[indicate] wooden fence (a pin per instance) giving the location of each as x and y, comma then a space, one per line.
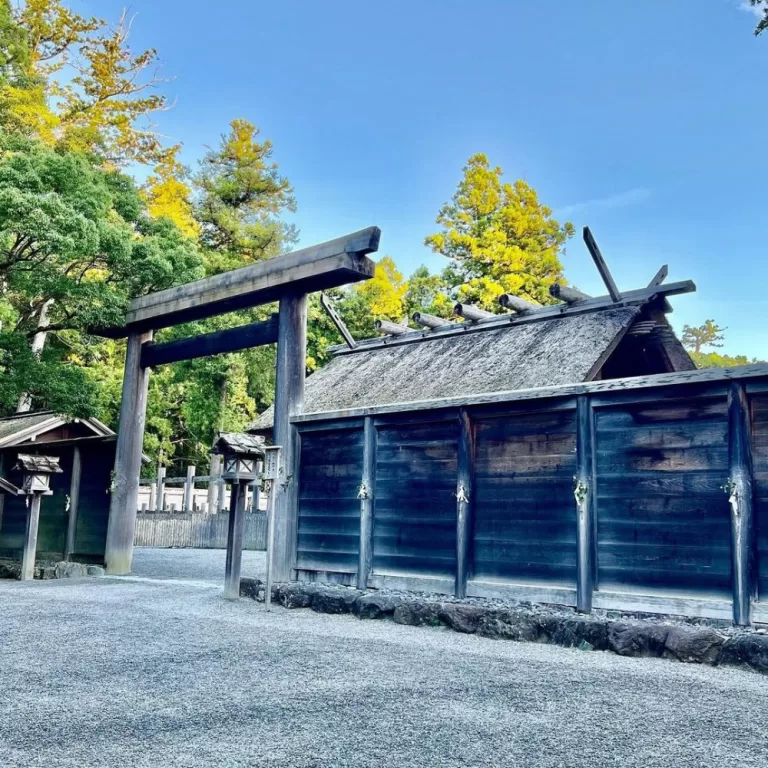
202, 531
646, 494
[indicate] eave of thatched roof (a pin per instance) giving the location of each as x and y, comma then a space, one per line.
562, 350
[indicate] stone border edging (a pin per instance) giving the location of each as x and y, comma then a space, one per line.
527, 623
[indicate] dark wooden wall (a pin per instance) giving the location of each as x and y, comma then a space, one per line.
524, 522
659, 530
414, 518
663, 519
329, 512
760, 468
97, 459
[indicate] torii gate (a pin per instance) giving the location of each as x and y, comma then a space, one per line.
287, 279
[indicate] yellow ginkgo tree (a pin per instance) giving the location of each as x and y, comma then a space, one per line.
499, 238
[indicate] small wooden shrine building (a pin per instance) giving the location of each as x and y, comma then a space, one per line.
567, 453
73, 519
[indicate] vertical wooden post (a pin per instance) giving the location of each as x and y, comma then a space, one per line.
125, 496
189, 490
74, 500
30, 539
289, 401
160, 489
256, 487
221, 494
234, 542
2, 495
584, 494
213, 485
740, 497
464, 494
365, 561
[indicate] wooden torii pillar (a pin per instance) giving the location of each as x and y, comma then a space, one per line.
287, 279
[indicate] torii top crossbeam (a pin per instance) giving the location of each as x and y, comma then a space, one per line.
328, 265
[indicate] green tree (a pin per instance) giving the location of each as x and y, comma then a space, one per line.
499, 238
762, 24
75, 246
709, 334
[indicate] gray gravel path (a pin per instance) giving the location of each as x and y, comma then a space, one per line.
165, 673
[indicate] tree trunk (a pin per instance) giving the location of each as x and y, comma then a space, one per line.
38, 344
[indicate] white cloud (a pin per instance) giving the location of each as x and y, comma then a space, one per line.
757, 11
620, 200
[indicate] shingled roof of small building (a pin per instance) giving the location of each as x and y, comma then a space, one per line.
33, 463
562, 346
238, 442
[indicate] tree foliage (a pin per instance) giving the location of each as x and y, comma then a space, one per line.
709, 334
762, 24
499, 238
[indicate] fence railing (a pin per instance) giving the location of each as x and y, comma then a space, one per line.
181, 494
197, 530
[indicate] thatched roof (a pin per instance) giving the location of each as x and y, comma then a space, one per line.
563, 350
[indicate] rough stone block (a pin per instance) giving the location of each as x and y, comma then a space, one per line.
637, 639
416, 613
250, 587
511, 625
66, 570
746, 650
698, 645
375, 605
335, 600
462, 618
96, 570
294, 596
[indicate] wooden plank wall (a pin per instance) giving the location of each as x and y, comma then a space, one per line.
524, 512
197, 530
655, 465
414, 519
663, 519
760, 469
329, 510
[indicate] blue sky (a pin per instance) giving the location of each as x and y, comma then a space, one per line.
646, 120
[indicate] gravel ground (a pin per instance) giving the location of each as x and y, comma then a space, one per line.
158, 670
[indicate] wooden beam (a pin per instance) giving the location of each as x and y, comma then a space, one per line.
159, 488
393, 329
659, 277
596, 304
124, 503
429, 321
74, 501
464, 501
516, 304
189, 489
206, 344
567, 294
235, 530
316, 268
289, 401
213, 485
30, 539
584, 495
341, 327
471, 312
365, 560
602, 267
741, 503
713, 376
